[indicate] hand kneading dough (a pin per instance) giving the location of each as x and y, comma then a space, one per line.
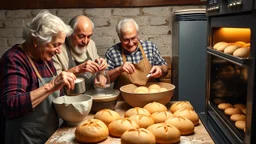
136, 110
155, 107
190, 114
181, 105
107, 115
165, 133
184, 125
118, 127
138, 136
142, 120
91, 131
160, 116
141, 89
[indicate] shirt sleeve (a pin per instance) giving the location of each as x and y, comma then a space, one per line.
14, 81
109, 56
157, 58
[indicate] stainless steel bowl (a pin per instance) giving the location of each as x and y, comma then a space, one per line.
78, 89
103, 98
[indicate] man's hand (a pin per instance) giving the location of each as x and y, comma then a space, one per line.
156, 72
102, 63
89, 66
127, 67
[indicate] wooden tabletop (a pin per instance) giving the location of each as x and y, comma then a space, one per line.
65, 134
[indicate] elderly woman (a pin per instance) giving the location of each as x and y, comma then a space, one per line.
28, 82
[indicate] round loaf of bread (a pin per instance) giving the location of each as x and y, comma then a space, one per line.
240, 125
118, 127
240, 106
238, 117
141, 89
240, 43
224, 106
107, 116
181, 105
230, 49
154, 86
135, 111
138, 136
165, 133
231, 111
153, 90
91, 131
242, 52
160, 116
155, 107
162, 89
183, 124
190, 114
142, 120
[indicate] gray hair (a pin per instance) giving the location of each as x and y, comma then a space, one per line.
44, 26
122, 25
73, 22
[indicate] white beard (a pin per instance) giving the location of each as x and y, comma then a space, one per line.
79, 51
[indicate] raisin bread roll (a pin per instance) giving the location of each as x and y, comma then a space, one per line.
155, 107
118, 127
142, 120
165, 133
91, 131
160, 116
107, 115
136, 110
183, 124
181, 105
138, 136
190, 114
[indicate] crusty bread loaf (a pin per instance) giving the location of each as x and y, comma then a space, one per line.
142, 120
107, 116
242, 52
155, 107
190, 114
181, 105
118, 127
138, 136
240, 125
238, 117
224, 106
183, 124
91, 131
240, 106
222, 47
165, 133
230, 49
218, 44
135, 111
231, 111
160, 116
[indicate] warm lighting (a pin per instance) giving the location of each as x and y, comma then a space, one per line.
231, 35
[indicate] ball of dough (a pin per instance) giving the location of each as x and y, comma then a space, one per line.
155, 107
153, 90
141, 89
138, 136
162, 89
154, 86
107, 116
135, 111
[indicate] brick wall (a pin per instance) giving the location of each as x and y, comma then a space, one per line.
155, 24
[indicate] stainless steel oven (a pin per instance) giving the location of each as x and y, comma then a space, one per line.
231, 78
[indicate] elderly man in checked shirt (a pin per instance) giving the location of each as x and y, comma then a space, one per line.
132, 59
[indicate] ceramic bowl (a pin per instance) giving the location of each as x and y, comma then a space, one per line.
73, 109
78, 89
141, 99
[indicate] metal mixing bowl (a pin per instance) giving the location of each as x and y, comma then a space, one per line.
78, 89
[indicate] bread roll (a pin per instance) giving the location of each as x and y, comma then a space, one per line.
138, 136
118, 127
240, 43
141, 89
222, 47
154, 86
91, 131
231, 111
224, 106
218, 44
153, 91
162, 89
242, 52
184, 125
107, 115
190, 114
181, 105
142, 120
240, 106
165, 133
244, 110
160, 116
238, 117
135, 111
240, 125
230, 49
247, 45
155, 107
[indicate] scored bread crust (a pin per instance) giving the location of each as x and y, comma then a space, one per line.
138, 136
118, 127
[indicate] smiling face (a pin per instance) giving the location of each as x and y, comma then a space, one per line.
48, 50
129, 38
82, 34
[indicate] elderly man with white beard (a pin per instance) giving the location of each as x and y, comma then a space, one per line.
79, 54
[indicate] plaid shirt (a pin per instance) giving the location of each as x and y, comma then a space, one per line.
114, 55
17, 79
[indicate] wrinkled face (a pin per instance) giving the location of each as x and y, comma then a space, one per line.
129, 39
48, 50
81, 38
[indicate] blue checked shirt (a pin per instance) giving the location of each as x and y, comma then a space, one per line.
114, 55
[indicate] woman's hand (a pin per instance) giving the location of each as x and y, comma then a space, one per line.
64, 79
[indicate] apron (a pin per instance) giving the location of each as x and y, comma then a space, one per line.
142, 68
37, 126
89, 80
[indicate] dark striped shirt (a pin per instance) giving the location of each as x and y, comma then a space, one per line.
17, 79
114, 57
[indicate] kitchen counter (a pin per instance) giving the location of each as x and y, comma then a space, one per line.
65, 134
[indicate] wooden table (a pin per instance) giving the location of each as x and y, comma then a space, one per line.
65, 134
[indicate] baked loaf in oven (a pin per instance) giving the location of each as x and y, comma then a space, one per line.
190, 114
181, 105
142, 120
231, 111
107, 115
160, 116
138, 136
91, 131
136, 110
240, 125
238, 117
118, 127
165, 133
224, 106
155, 107
183, 124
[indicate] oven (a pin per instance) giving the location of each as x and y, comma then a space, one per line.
230, 76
